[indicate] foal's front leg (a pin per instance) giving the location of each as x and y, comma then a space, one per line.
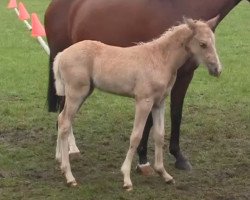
158, 135
142, 111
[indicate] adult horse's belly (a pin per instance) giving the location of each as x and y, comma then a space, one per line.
120, 22
114, 22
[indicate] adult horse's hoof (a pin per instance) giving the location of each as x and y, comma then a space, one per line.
145, 169
72, 184
183, 164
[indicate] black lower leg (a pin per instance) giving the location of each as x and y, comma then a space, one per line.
177, 98
142, 148
174, 148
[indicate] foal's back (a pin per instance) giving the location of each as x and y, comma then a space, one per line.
113, 69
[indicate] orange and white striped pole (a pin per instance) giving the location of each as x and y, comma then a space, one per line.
13, 5
24, 15
38, 31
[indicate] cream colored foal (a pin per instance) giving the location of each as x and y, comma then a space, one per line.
145, 72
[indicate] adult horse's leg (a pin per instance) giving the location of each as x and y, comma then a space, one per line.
158, 135
142, 110
144, 167
141, 150
177, 98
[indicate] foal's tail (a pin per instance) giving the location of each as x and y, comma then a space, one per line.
60, 88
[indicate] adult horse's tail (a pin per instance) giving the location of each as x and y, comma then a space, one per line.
53, 28
52, 99
59, 84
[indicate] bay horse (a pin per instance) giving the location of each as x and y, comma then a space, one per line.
123, 23
145, 72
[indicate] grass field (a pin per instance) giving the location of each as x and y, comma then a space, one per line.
215, 132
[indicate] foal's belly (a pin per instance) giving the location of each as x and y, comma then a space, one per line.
115, 82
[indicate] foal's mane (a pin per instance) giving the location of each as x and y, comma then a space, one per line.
168, 32
182, 32
175, 32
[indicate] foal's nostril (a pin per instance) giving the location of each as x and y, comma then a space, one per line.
218, 73
215, 71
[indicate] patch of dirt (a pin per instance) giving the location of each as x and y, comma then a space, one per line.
2, 175
23, 137
38, 174
183, 187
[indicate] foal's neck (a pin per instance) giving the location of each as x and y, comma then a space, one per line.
173, 46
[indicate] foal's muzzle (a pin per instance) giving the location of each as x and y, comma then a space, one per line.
214, 70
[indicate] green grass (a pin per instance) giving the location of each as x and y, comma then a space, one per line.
215, 129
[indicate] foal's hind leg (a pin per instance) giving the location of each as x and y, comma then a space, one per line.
58, 149
158, 135
74, 152
74, 99
142, 111
73, 149
64, 126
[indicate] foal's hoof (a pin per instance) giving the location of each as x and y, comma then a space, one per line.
128, 187
58, 160
74, 155
72, 184
170, 182
183, 165
145, 169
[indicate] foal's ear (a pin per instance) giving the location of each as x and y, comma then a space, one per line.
212, 23
190, 22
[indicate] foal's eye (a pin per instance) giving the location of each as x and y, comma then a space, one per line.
203, 45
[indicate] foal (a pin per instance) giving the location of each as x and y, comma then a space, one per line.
145, 72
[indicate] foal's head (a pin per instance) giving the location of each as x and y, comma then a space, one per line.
202, 44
